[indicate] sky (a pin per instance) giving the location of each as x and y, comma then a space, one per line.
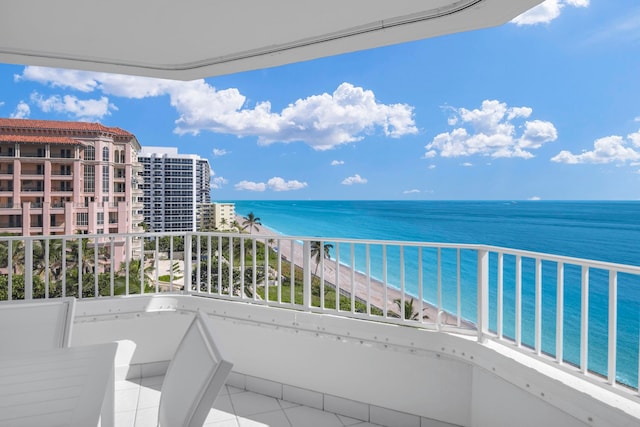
545, 107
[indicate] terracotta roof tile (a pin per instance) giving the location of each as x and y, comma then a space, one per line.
37, 139
61, 125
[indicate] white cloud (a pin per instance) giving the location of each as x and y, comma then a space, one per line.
321, 121
546, 11
275, 184
637, 119
278, 184
337, 162
1, 103
467, 164
356, 179
22, 111
217, 152
251, 186
431, 166
534, 198
218, 182
88, 109
610, 149
414, 191
79, 80
537, 133
491, 131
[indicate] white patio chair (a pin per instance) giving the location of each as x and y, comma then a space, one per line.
195, 376
33, 325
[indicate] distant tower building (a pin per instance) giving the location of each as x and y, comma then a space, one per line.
217, 216
175, 185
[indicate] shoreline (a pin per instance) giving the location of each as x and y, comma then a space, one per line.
366, 288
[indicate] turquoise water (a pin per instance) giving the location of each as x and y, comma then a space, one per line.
605, 231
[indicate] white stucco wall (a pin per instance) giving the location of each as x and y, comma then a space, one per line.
435, 375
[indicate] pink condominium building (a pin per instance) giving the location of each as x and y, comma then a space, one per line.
67, 178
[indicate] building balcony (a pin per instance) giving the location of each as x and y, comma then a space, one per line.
10, 209
62, 155
63, 190
32, 154
396, 333
61, 176
33, 178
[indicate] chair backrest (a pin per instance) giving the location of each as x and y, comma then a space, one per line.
195, 376
33, 325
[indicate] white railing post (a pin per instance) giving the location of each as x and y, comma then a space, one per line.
560, 313
187, 263
28, 269
584, 321
518, 301
538, 308
613, 326
500, 309
483, 294
306, 274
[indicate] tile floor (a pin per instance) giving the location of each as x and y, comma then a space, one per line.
136, 404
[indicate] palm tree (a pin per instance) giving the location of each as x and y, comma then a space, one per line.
410, 312
17, 255
235, 226
317, 252
251, 221
135, 265
88, 262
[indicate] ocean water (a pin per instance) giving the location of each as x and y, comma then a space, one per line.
604, 231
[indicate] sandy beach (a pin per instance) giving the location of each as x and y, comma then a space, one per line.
363, 286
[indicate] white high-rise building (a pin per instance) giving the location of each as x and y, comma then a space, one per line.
175, 185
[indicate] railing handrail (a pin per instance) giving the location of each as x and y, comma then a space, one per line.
606, 265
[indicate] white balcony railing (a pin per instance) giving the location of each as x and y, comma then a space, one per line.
564, 310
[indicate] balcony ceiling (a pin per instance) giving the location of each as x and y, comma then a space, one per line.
199, 38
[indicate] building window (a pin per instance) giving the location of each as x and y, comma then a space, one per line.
90, 153
89, 179
119, 156
105, 179
82, 218
100, 218
105, 154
